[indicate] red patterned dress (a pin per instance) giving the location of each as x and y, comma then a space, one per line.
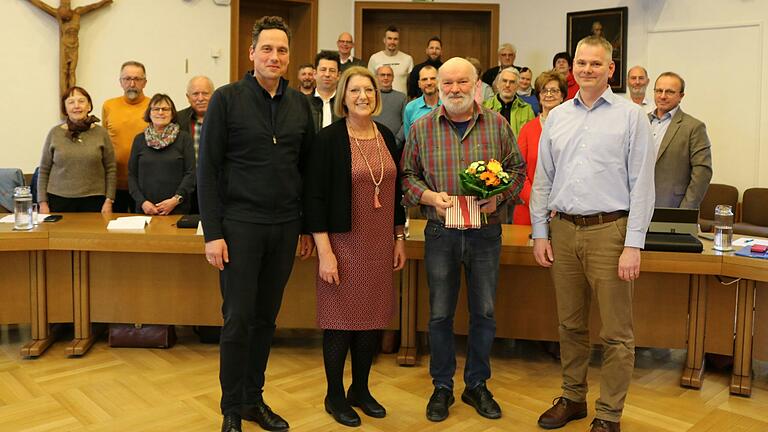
364, 299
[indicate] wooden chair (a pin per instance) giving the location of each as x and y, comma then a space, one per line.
716, 194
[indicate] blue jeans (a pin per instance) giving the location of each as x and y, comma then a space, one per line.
445, 250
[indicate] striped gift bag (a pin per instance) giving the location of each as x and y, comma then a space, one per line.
464, 214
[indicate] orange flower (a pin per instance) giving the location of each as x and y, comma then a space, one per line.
490, 178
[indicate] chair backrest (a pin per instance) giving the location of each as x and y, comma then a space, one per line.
754, 206
9, 179
718, 194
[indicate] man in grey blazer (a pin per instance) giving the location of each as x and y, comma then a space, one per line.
683, 154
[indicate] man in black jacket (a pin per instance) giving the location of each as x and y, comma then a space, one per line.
326, 79
256, 136
434, 51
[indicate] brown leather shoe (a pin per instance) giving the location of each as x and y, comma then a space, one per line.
563, 410
600, 425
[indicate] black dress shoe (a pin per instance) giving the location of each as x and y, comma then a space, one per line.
482, 400
342, 413
437, 408
370, 406
263, 415
231, 423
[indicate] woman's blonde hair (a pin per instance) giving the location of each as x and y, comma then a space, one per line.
341, 90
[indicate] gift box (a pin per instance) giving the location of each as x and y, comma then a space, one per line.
464, 214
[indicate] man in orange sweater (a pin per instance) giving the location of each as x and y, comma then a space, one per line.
123, 117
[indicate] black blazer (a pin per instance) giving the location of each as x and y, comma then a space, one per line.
328, 180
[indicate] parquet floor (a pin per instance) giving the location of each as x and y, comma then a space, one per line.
177, 390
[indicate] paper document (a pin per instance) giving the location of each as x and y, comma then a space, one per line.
744, 241
129, 223
10, 218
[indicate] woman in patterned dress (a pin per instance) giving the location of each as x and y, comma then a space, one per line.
353, 211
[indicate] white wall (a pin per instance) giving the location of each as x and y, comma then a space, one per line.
162, 34
159, 33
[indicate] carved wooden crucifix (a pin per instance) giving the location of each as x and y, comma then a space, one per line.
69, 43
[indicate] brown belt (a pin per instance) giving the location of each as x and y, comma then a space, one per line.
593, 219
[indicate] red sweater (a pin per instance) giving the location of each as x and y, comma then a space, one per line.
528, 141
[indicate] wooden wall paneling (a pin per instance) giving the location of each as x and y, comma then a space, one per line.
15, 305
59, 286
721, 317
301, 17
760, 347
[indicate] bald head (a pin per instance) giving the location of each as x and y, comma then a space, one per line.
345, 43
456, 80
199, 91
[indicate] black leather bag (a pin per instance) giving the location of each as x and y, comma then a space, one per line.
142, 336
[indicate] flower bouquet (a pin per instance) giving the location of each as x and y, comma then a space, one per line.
480, 180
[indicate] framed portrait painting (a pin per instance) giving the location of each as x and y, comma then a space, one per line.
610, 24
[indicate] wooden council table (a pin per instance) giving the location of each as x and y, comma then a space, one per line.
77, 271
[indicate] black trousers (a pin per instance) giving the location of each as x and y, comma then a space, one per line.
75, 205
123, 202
260, 262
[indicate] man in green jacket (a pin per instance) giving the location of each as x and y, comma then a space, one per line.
507, 103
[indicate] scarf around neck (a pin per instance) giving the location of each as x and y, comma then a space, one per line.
74, 129
159, 140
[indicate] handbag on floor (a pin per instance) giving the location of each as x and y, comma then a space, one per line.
142, 336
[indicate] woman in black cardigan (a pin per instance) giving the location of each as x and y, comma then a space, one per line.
353, 210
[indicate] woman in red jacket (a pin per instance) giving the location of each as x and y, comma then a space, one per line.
552, 89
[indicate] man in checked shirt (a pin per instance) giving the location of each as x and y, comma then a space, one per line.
439, 146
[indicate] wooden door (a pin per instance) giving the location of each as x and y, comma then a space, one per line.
301, 17
467, 30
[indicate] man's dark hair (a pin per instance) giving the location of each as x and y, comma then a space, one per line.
436, 39
269, 23
327, 55
306, 65
562, 55
392, 29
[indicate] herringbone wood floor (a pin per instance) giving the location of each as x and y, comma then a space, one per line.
177, 390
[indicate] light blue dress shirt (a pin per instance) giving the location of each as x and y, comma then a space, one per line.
659, 126
414, 111
595, 160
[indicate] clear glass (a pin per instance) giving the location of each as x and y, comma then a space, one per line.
723, 228
35, 213
22, 208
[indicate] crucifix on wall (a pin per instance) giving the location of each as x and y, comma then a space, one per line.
69, 43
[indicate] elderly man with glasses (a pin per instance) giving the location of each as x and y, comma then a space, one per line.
345, 44
123, 117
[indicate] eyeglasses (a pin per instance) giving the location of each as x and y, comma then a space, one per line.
666, 92
160, 109
551, 91
132, 79
345, 42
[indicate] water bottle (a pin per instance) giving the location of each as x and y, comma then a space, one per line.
723, 227
22, 208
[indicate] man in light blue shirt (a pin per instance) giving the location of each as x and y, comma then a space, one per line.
425, 103
594, 179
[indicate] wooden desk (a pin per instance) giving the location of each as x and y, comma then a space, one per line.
155, 276
670, 304
752, 314
24, 297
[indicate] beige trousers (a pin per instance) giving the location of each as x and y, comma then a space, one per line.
586, 265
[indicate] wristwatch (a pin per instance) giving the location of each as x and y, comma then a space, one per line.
179, 198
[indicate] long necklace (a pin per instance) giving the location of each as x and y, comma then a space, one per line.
377, 137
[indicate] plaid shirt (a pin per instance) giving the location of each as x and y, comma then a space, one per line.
435, 154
